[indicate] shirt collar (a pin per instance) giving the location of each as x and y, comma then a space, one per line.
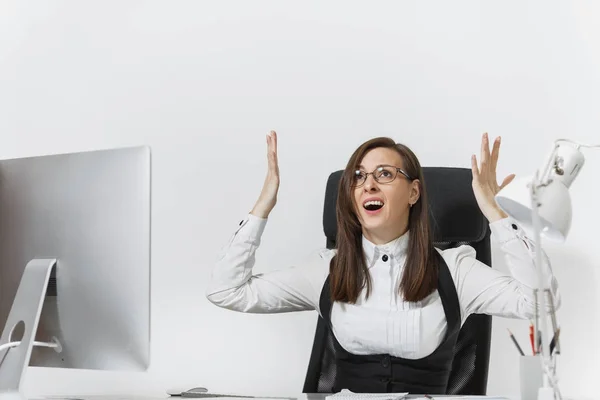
396, 248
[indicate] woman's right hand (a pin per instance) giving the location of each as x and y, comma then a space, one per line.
268, 196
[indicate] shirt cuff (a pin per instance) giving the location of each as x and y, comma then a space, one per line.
506, 229
252, 227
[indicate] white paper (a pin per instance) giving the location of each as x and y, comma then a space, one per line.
346, 394
471, 397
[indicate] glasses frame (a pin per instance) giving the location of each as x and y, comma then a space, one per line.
398, 170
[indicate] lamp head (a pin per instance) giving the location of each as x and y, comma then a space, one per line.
551, 191
554, 207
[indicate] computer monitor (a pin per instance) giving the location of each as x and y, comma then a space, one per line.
80, 222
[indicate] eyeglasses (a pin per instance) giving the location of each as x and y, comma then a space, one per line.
382, 174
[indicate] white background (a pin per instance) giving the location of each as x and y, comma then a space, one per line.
203, 82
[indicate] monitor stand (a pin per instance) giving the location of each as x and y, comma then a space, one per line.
25, 316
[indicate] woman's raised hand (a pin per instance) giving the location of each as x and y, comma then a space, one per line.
268, 196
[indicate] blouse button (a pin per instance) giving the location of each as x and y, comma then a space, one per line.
385, 258
515, 227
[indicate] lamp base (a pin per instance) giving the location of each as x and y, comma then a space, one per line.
25, 315
12, 395
545, 393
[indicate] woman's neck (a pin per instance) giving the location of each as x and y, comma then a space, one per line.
381, 236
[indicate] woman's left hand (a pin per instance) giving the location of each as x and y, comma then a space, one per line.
485, 185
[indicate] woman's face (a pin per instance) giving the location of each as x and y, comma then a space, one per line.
383, 207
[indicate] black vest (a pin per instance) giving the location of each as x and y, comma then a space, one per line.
384, 373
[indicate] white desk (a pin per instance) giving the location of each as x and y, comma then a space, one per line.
319, 396
302, 396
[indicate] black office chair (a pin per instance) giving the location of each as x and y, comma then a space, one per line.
456, 220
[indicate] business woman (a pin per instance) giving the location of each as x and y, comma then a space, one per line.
394, 303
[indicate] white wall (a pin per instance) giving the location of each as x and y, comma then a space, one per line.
202, 82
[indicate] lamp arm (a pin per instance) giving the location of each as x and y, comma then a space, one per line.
549, 389
577, 144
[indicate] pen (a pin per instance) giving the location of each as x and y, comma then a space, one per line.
515, 342
554, 341
531, 338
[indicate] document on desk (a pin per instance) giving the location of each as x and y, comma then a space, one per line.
449, 397
346, 394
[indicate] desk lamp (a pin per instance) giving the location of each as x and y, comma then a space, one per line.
542, 205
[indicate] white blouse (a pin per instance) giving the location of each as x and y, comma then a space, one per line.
383, 323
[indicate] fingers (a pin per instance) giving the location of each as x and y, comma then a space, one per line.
507, 180
272, 151
494, 158
272, 141
485, 155
474, 168
274, 135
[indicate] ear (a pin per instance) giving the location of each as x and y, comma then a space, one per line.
415, 191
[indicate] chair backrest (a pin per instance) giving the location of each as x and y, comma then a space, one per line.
456, 220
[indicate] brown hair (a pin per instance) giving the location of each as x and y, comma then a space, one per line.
348, 270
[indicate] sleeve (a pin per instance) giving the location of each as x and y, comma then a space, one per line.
233, 285
484, 290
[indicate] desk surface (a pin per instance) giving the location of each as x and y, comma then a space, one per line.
321, 396
303, 396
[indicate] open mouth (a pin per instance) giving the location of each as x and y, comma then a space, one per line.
373, 205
